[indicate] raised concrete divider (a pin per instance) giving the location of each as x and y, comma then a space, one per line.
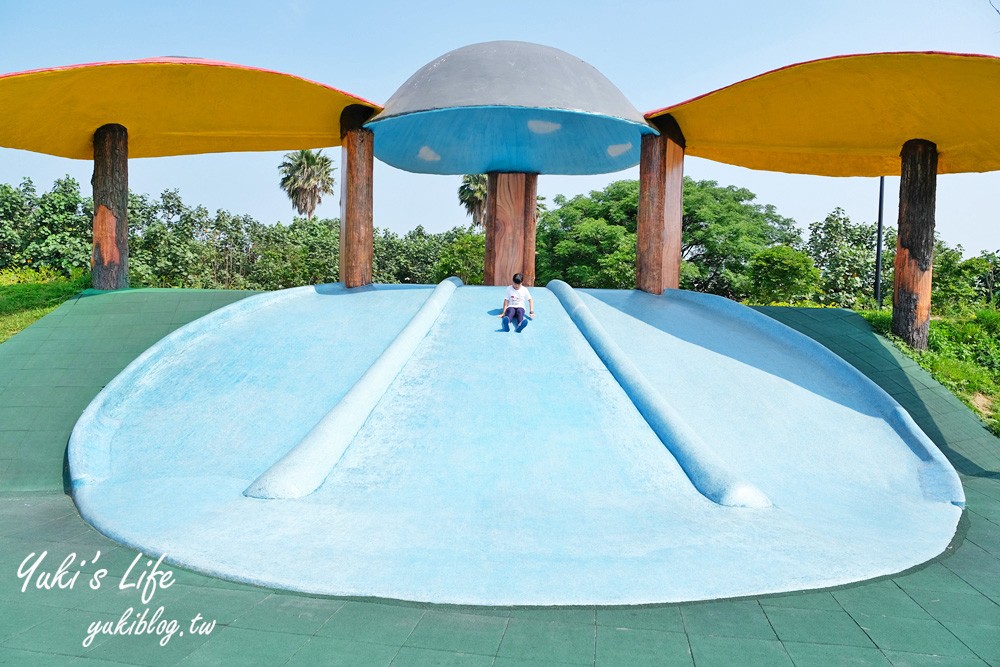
307, 465
942, 485
707, 472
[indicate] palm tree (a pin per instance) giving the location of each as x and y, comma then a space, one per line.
472, 195
305, 177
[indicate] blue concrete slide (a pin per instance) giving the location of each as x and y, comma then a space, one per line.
623, 448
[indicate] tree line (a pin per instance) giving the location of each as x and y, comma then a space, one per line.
732, 245
174, 244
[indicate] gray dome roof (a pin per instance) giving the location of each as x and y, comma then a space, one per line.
510, 74
509, 106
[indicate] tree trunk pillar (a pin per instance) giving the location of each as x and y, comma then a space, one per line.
661, 208
911, 296
356, 219
511, 204
109, 262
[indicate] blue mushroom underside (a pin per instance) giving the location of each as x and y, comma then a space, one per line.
478, 140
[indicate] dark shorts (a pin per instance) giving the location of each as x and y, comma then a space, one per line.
515, 315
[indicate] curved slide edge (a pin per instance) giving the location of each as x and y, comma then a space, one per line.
707, 472
941, 485
307, 465
89, 451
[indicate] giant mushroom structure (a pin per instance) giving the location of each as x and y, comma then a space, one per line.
156, 107
396, 464
512, 110
880, 114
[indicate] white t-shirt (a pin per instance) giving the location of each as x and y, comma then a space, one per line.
516, 298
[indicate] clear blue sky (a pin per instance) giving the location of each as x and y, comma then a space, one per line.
657, 53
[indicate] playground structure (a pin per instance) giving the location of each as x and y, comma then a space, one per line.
513, 111
685, 490
626, 448
911, 114
156, 107
859, 115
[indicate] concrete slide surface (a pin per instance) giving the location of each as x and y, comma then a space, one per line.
506, 468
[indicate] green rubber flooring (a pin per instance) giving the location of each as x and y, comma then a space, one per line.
946, 612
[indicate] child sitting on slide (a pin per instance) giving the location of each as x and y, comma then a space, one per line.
513, 304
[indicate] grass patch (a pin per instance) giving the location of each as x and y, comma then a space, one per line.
21, 304
963, 354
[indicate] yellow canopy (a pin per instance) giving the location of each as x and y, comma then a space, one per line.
170, 106
850, 115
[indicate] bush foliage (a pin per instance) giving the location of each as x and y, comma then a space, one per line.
732, 245
173, 244
963, 354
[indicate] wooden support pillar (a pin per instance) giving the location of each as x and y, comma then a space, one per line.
911, 295
109, 262
356, 221
510, 227
661, 208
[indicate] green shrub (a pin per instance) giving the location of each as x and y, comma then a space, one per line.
782, 274
963, 354
464, 258
989, 320
25, 275
961, 375
881, 320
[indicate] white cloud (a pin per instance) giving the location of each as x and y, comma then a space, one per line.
543, 126
614, 150
427, 154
